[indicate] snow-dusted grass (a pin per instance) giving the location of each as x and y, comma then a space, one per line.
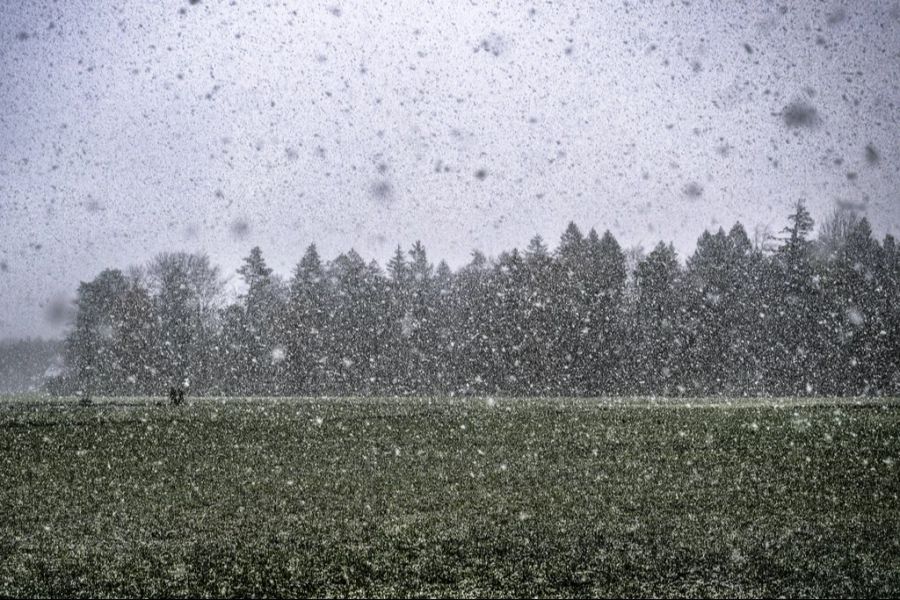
450, 497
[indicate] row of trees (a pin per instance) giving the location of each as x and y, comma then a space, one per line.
794, 316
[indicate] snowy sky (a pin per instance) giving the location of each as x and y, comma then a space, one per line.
126, 129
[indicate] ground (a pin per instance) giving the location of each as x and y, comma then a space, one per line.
462, 497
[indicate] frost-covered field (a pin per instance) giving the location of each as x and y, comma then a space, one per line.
450, 497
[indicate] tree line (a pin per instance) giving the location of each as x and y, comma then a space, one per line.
791, 315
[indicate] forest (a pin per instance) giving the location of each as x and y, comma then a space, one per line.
788, 314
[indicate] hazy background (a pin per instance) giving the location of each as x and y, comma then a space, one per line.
215, 126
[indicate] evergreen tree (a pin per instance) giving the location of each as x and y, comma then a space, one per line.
659, 345
607, 272
351, 336
259, 325
800, 330
568, 313
419, 325
796, 244
539, 328
723, 310
307, 326
471, 325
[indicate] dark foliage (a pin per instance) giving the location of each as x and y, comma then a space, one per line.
811, 316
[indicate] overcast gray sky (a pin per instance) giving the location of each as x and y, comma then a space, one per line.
130, 128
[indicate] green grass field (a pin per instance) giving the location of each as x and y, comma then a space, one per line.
474, 497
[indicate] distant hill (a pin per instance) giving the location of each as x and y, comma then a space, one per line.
24, 364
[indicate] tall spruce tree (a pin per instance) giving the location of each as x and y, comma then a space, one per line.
259, 323
659, 344
306, 317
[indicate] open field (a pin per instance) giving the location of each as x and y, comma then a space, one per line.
450, 497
